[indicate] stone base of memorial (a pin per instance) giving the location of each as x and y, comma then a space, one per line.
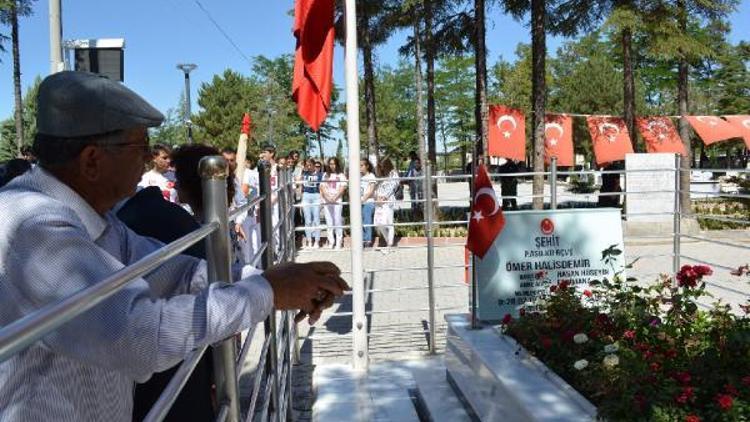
498, 380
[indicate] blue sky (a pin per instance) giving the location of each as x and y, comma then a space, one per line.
161, 33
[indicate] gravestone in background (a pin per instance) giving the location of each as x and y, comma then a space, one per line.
650, 184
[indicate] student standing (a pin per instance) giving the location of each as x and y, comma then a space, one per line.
331, 192
367, 193
311, 179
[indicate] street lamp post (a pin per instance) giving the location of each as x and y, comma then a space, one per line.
186, 68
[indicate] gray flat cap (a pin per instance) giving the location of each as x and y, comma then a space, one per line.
75, 104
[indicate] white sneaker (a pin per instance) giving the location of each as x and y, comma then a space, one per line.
338, 246
316, 245
305, 244
331, 245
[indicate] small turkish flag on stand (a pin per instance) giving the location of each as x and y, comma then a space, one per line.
712, 129
487, 219
660, 135
313, 60
610, 137
741, 123
507, 137
558, 139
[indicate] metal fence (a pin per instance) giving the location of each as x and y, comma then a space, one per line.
552, 200
272, 383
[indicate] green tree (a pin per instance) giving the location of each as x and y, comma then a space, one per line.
455, 80
397, 116
8, 140
10, 11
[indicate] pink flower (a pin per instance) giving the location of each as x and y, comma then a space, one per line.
725, 401
682, 377
628, 334
685, 396
692, 418
587, 293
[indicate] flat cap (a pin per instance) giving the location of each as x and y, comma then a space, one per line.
75, 104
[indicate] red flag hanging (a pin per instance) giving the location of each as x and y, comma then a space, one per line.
246, 122
507, 137
487, 219
741, 123
610, 137
712, 129
313, 59
558, 139
660, 135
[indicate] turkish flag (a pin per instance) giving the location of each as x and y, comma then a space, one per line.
507, 133
660, 135
741, 123
712, 129
487, 219
246, 122
610, 137
558, 139
313, 60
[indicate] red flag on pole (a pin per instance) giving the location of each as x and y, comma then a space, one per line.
660, 135
246, 122
313, 60
507, 137
610, 137
487, 219
558, 139
712, 129
741, 123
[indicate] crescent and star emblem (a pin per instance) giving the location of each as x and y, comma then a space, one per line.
478, 216
658, 128
554, 140
611, 137
507, 118
711, 120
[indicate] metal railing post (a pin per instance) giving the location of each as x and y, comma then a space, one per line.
267, 237
677, 216
553, 184
214, 172
429, 215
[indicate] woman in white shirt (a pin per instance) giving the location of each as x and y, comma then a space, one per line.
385, 197
367, 193
331, 192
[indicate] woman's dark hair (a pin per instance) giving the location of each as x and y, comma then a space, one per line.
185, 160
338, 165
156, 149
385, 167
368, 165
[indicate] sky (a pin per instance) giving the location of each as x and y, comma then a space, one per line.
159, 34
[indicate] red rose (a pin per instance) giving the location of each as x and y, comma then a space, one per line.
702, 270
682, 377
671, 354
553, 288
564, 284
655, 366
507, 319
546, 342
587, 293
628, 334
692, 418
725, 401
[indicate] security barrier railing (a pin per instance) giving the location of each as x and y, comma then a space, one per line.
552, 199
273, 376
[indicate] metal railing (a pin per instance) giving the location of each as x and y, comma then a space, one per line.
273, 375
553, 195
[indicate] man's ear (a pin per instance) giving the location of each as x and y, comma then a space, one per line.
90, 162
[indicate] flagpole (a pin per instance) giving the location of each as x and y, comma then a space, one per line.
359, 322
474, 170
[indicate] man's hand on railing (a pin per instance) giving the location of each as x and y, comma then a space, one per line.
310, 287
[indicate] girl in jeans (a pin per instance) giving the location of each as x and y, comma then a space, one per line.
331, 192
311, 177
367, 193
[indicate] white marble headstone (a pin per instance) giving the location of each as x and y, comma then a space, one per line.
650, 184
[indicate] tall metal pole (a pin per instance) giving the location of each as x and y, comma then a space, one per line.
186, 69
56, 63
676, 252
428, 212
359, 318
214, 172
553, 184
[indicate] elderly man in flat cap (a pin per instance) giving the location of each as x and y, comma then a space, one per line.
58, 236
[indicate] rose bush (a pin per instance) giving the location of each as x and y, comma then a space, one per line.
650, 352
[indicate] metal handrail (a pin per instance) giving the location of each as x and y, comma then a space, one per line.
246, 207
167, 398
21, 333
